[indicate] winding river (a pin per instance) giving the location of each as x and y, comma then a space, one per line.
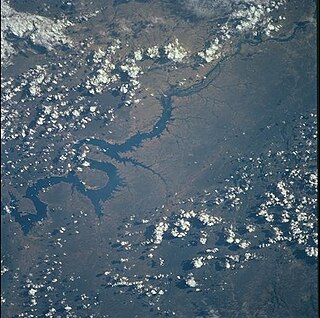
114, 151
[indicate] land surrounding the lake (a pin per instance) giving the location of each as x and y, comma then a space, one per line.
169, 165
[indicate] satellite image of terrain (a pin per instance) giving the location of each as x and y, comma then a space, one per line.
159, 159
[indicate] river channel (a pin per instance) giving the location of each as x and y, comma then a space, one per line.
114, 151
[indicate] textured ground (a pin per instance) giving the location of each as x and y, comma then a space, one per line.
159, 159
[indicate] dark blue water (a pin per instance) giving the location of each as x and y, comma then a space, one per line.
114, 151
